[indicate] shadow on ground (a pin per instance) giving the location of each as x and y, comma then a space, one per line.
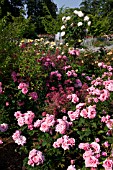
9, 159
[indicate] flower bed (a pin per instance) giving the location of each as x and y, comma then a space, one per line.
57, 104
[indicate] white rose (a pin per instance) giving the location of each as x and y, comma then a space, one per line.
80, 24
89, 23
76, 12
62, 33
86, 18
68, 18
80, 14
63, 18
63, 27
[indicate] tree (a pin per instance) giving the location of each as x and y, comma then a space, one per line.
85, 6
91, 6
13, 7
36, 10
100, 9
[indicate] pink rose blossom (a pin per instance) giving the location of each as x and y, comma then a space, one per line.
65, 142
72, 161
21, 140
56, 145
30, 127
80, 105
69, 73
35, 157
104, 95
91, 112
24, 90
108, 164
7, 103
87, 154
97, 140
84, 113
61, 127
30, 162
33, 95
91, 162
18, 138
50, 120
32, 153
105, 118
71, 167
109, 123
37, 123
84, 146
1, 142
75, 99
3, 127
17, 114
104, 154
71, 141
65, 145
44, 127
21, 121
22, 85
106, 144
16, 134
74, 115
95, 147
78, 83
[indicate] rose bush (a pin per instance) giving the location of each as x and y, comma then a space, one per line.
75, 27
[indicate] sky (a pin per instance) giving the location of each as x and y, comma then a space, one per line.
67, 3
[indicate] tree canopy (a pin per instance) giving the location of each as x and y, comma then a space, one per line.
102, 10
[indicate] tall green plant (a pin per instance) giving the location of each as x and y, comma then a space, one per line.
10, 35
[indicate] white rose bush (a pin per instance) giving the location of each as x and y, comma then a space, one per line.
74, 28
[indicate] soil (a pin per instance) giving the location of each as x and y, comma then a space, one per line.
9, 159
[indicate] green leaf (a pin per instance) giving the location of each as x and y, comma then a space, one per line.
109, 139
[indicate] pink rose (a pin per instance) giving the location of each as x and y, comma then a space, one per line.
44, 127
37, 123
87, 154
84, 146
36, 159
106, 144
3, 127
24, 90
69, 73
95, 146
71, 167
75, 99
18, 114
91, 162
104, 154
84, 113
1, 142
108, 164
91, 112
30, 162
22, 85
50, 120
65, 146
32, 153
21, 121
109, 124
33, 95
